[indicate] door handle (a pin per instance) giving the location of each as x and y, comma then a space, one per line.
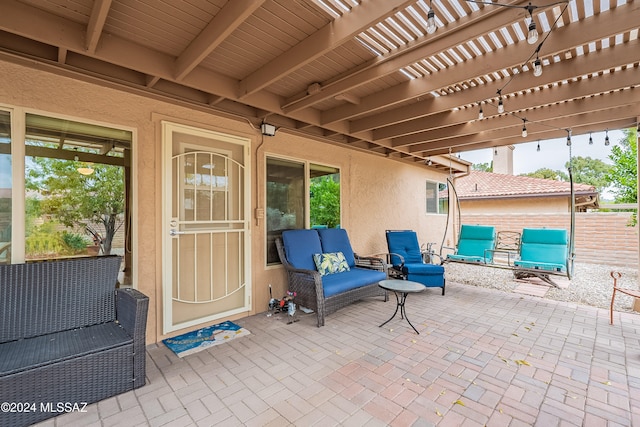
174, 232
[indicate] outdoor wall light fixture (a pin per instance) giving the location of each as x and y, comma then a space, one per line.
267, 129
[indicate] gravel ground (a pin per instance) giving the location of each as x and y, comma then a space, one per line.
591, 284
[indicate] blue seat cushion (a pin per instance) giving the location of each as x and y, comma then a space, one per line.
429, 275
405, 244
337, 240
426, 269
334, 284
300, 245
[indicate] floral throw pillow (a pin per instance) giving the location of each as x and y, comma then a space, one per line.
330, 263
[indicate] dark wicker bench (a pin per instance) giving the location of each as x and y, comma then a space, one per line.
67, 336
326, 294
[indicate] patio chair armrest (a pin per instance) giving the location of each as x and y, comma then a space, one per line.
131, 313
371, 262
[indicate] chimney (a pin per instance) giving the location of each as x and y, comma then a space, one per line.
503, 159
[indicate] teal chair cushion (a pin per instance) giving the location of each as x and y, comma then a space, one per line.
543, 248
475, 243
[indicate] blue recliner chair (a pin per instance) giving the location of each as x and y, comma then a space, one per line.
406, 259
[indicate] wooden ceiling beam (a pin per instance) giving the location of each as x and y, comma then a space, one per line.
612, 122
615, 56
327, 38
226, 21
97, 20
445, 38
579, 33
551, 95
551, 119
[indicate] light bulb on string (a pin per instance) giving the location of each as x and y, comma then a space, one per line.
500, 106
606, 138
590, 139
538, 148
532, 35
537, 67
480, 113
524, 128
431, 22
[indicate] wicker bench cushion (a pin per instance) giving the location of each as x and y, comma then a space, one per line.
24, 354
334, 284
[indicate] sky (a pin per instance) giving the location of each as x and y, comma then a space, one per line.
553, 153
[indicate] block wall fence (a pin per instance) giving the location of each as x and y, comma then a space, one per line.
601, 237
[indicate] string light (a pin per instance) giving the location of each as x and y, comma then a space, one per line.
524, 128
537, 67
500, 104
590, 139
480, 113
569, 138
532, 36
606, 138
431, 20
538, 149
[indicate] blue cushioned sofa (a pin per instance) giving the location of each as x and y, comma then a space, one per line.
327, 293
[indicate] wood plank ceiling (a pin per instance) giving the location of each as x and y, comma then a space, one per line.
365, 74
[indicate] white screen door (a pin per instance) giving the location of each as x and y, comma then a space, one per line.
206, 242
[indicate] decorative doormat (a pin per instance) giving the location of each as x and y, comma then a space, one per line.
195, 341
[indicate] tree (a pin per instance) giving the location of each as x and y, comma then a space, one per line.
590, 171
623, 176
546, 173
324, 201
484, 167
77, 200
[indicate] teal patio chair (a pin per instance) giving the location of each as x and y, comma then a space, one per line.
543, 252
475, 244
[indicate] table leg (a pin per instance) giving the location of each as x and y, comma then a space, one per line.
400, 300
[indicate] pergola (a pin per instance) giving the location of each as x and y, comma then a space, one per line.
367, 74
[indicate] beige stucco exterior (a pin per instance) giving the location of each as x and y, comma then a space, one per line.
378, 193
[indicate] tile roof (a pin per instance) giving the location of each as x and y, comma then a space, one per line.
483, 185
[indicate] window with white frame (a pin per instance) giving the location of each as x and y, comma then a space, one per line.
437, 198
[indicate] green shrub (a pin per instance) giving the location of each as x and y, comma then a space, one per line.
76, 242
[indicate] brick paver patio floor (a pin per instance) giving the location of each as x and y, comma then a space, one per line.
483, 357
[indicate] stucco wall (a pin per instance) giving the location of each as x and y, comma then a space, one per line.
377, 193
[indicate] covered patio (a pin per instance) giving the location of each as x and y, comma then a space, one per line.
483, 357
380, 96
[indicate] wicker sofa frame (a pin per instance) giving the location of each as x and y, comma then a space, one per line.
67, 336
307, 284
